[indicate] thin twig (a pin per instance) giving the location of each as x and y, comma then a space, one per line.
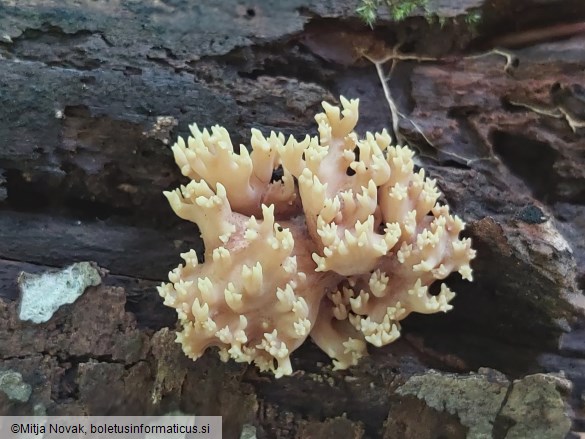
558, 112
395, 113
511, 59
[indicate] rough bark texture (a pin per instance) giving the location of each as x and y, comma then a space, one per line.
93, 92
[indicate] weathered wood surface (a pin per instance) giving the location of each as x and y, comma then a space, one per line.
93, 92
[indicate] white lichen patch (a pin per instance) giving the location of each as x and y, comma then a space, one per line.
161, 129
43, 294
14, 387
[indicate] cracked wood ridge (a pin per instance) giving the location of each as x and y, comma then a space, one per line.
92, 94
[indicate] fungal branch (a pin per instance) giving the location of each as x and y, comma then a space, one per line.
338, 256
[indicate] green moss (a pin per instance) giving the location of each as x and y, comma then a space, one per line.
400, 9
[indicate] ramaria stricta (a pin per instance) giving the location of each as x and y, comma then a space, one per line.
342, 248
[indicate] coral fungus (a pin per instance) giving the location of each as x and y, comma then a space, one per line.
342, 247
